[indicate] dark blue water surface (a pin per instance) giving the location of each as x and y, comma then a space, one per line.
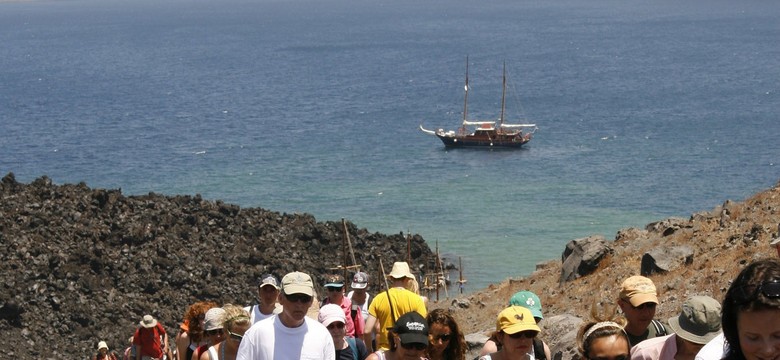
645, 110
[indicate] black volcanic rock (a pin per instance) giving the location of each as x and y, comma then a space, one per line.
81, 265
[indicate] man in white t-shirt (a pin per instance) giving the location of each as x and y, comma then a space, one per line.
298, 336
268, 295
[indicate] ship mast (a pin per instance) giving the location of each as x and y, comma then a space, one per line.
466, 98
503, 98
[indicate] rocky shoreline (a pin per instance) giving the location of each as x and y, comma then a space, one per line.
81, 265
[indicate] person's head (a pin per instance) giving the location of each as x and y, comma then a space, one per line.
235, 323
359, 282
296, 298
603, 340
400, 273
268, 289
638, 299
195, 316
516, 329
333, 317
697, 324
212, 325
751, 312
409, 336
413, 286
334, 286
446, 338
102, 347
775, 242
529, 301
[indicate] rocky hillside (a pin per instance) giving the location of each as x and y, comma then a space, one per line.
716, 244
79, 265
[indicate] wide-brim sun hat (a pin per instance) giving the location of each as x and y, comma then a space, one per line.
699, 321
148, 321
400, 270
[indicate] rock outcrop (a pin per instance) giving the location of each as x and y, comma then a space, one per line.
79, 265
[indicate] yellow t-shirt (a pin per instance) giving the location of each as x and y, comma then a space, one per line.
403, 302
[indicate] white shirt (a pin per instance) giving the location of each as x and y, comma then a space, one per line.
255, 315
269, 339
713, 350
364, 307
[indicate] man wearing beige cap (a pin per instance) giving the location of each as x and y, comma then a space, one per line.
298, 336
390, 304
638, 299
697, 324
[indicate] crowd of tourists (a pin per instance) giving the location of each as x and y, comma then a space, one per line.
291, 322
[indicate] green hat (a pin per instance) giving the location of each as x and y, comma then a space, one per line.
529, 301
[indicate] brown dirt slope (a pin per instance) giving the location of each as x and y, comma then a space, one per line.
723, 239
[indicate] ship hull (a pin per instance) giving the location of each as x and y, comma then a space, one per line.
482, 141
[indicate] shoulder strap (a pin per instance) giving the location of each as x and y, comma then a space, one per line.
392, 310
539, 349
353, 345
660, 330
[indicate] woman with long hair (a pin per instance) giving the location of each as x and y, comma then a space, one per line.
190, 334
751, 312
446, 339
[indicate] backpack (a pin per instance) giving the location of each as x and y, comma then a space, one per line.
353, 346
539, 349
660, 330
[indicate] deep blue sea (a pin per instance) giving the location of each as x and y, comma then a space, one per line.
645, 109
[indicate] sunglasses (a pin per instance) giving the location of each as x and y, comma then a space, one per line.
442, 337
770, 289
234, 336
647, 305
523, 334
301, 298
414, 346
333, 288
212, 332
334, 325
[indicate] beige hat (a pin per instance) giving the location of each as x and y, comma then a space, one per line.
699, 321
213, 319
297, 283
102, 345
148, 321
400, 270
638, 290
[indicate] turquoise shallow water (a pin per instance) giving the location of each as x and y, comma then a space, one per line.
645, 111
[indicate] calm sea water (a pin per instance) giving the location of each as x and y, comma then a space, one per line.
645, 110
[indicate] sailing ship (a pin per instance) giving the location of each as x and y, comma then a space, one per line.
491, 133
